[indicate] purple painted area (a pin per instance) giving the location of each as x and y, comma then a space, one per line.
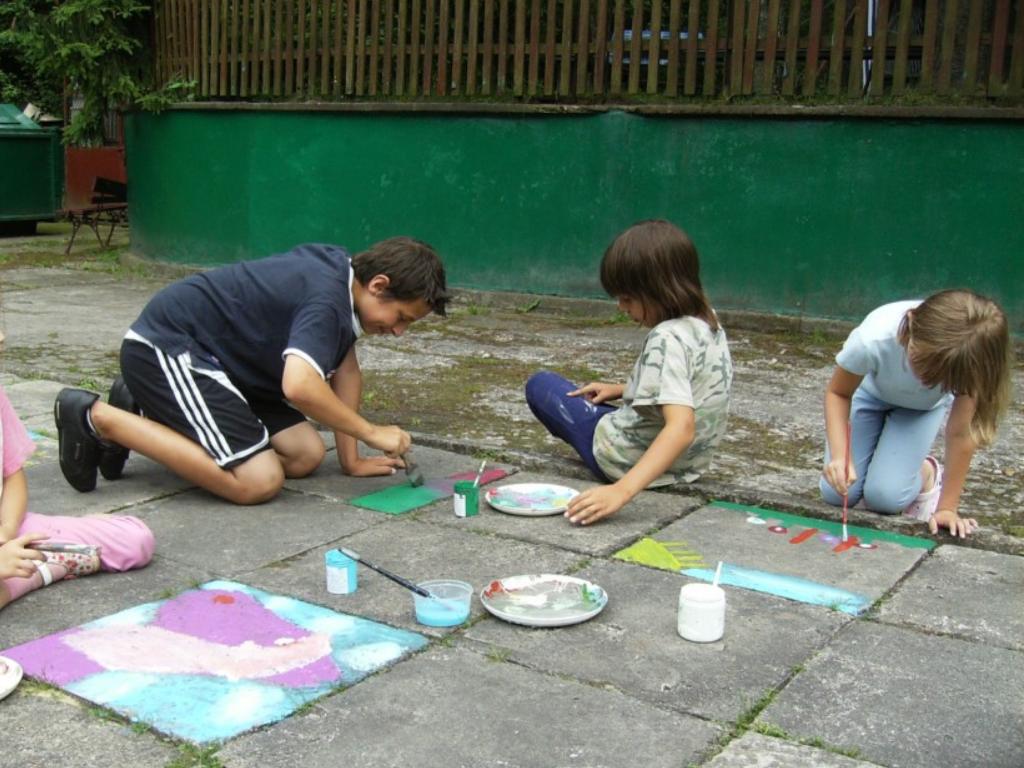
319, 672
49, 659
224, 617
447, 484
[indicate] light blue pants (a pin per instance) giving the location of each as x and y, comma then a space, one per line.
889, 444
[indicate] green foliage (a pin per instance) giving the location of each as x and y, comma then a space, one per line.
20, 80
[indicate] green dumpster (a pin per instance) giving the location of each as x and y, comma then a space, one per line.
31, 172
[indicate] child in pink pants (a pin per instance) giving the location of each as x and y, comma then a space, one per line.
112, 543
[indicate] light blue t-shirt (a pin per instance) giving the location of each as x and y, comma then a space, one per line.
872, 350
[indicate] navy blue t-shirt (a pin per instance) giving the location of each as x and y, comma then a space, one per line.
243, 318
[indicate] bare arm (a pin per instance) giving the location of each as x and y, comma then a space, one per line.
838, 396
672, 441
13, 505
960, 447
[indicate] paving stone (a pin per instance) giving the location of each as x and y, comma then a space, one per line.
45, 728
201, 530
450, 707
634, 645
965, 592
752, 750
719, 533
32, 400
414, 550
908, 699
70, 603
648, 510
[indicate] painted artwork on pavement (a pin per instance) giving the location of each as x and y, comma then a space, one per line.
399, 499
215, 661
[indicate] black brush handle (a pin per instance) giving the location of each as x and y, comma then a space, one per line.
394, 577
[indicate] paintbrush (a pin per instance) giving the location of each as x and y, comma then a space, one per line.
412, 471
846, 496
395, 578
480, 473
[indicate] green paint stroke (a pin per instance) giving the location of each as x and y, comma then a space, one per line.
866, 535
398, 499
666, 555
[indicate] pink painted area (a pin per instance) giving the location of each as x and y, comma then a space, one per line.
150, 649
224, 617
50, 659
321, 671
447, 484
842, 546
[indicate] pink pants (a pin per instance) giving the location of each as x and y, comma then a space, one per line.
126, 542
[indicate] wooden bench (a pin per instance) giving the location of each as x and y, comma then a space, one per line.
108, 205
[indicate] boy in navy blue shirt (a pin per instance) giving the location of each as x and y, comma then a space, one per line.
227, 365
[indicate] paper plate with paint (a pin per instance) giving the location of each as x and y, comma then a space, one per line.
543, 600
530, 499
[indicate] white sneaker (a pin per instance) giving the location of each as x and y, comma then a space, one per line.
923, 507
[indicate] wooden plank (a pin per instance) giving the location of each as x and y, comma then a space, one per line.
583, 47
415, 27
636, 42
401, 48
899, 67
473, 46
459, 43
813, 49
361, 47
711, 50
338, 53
617, 32
388, 64
928, 38
792, 45
771, 46
533, 74
289, 50
997, 54
209, 46
222, 55
837, 49
519, 49
1016, 78
654, 48
549, 48
487, 85
300, 49
428, 49
350, 47
601, 48
278, 56
312, 48
502, 75
245, 52
251, 83
972, 48
675, 21
734, 55
948, 49
692, 49
566, 53
326, 48
167, 47
855, 86
194, 73
373, 77
443, 26
750, 46
233, 52
879, 47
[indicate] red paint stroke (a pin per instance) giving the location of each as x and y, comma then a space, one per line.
777, 529
842, 546
494, 588
800, 538
224, 599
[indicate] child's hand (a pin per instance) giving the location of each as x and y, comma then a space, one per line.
392, 440
835, 475
16, 556
373, 466
596, 503
958, 526
598, 391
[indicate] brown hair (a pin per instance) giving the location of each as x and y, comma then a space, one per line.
656, 263
413, 269
960, 341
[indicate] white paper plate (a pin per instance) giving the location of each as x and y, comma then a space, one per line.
530, 499
543, 600
10, 675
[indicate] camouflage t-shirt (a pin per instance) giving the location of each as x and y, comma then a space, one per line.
683, 362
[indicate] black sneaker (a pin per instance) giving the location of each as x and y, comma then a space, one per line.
112, 455
79, 449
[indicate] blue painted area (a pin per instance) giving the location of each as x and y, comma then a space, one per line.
790, 587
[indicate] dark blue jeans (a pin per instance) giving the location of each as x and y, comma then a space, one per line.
572, 419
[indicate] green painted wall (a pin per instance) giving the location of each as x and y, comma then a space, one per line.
822, 217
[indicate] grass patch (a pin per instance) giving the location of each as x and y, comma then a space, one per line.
190, 756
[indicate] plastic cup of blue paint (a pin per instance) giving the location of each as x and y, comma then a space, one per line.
448, 605
342, 575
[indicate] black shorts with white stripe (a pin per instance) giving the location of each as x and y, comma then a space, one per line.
199, 401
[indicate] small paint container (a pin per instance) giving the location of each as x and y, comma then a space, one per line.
701, 613
342, 576
448, 606
466, 499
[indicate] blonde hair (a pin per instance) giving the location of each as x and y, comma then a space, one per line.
960, 341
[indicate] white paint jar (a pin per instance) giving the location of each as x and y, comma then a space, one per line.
342, 577
701, 613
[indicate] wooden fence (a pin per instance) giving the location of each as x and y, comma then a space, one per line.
592, 49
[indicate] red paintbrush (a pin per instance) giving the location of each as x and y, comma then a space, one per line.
846, 495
